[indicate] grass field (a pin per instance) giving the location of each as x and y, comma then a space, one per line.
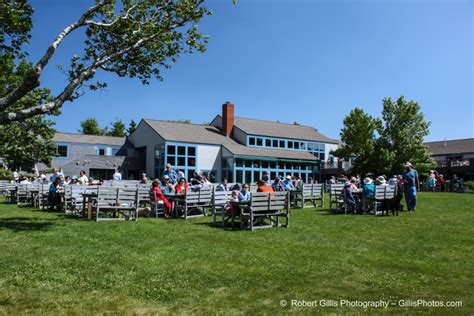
52, 264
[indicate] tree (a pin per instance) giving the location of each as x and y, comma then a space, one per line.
383, 145
133, 38
402, 135
90, 126
22, 144
358, 136
117, 130
131, 127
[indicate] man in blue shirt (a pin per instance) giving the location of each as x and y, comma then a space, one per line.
287, 184
173, 176
412, 184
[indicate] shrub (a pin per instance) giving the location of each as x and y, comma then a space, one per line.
6, 174
469, 185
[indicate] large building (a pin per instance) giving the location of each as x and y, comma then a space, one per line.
239, 149
454, 157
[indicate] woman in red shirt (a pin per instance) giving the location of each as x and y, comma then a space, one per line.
181, 186
156, 196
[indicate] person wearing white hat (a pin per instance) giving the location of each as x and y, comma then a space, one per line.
412, 184
287, 184
368, 191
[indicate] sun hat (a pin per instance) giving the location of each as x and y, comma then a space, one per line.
408, 164
288, 177
381, 179
166, 177
347, 184
367, 181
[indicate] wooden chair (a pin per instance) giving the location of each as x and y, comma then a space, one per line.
266, 206
219, 201
336, 197
311, 193
195, 201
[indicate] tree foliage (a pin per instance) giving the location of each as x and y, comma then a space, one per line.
383, 145
90, 126
132, 38
131, 127
117, 129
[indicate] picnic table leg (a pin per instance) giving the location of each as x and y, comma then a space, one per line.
89, 208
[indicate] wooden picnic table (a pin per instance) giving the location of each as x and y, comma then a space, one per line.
174, 198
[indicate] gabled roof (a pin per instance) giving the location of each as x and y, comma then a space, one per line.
203, 134
456, 146
89, 139
277, 129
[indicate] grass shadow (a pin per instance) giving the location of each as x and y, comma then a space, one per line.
18, 224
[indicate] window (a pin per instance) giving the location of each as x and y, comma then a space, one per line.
238, 176
181, 150
282, 144
101, 152
181, 161
268, 142
171, 150
259, 142
252, 141
192, 151
275, 143
61, 151
171, 160
297, 145
290, 144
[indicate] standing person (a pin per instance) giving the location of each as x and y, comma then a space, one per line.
82, 178
173, 176
412, 184
57, 173
180, 174
117, 175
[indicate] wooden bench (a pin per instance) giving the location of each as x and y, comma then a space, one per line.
195, 201
266, 205
112, 201
73, 199
219, 201
10, 192
383, 195
311, 193
336, 197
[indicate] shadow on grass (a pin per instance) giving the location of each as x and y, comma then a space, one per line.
228, 227
18, 224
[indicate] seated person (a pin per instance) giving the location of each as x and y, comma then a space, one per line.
277, 185
222, 186
245, 195
263, 187
287, 184
166, 187
349, 198
181, 187
368, 191
157, 197
54, 200
233, 198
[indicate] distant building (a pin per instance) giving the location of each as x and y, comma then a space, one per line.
99, 156
239, 149
453, 157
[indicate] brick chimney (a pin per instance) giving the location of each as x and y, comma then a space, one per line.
227, 118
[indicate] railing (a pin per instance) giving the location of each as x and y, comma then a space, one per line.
346, 165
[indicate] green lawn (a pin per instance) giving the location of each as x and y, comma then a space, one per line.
50, 263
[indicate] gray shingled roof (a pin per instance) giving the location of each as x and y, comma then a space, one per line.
203, 134
88, 139
456, 146
283, 130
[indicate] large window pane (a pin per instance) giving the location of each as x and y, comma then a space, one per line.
259, 142
275, 143
191, 162
256, 176
181, 150
171, 160
248, 176
248, 163
238, 175
252, 141
192, 151
282, 144
171, 149
290, 144
182, 161
268, 142
296, 145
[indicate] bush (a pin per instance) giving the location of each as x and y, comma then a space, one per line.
469, 185
6, 174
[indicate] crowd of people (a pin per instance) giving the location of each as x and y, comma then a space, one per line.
174, 182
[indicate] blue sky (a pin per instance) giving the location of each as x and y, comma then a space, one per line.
309, 61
